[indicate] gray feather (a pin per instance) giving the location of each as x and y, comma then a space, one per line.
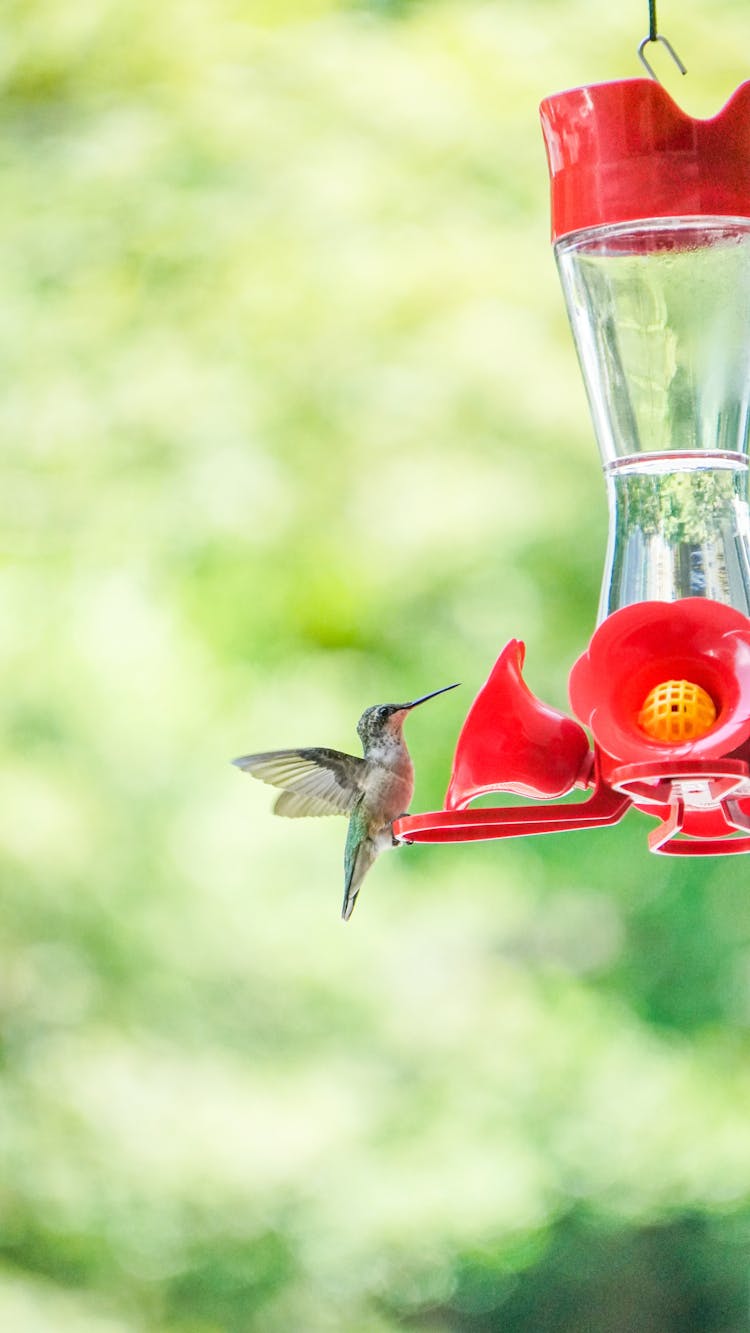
315, 781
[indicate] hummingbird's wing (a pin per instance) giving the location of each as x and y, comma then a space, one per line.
316, 781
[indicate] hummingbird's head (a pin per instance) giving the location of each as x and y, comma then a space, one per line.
388, 719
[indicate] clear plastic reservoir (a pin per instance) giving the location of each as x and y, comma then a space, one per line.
660, 311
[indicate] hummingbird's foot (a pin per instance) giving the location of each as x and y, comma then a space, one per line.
400, 842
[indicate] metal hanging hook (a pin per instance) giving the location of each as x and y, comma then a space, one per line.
655, 36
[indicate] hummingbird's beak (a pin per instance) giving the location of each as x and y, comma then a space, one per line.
425, 697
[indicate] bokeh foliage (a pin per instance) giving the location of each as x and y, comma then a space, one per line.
291, 423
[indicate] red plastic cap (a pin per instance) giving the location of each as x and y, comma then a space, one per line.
622, 151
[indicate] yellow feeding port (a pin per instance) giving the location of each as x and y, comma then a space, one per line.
677, 710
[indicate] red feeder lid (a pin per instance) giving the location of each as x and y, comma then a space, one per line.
621, 151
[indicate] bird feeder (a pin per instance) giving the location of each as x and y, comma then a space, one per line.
651, 230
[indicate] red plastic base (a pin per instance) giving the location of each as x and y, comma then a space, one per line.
698, 790
604, 807
718, 827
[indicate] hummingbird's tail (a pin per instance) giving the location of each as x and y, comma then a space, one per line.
360, 853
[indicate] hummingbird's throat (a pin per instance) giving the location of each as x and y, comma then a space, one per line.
388, 749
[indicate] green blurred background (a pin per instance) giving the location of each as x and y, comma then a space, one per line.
291, 424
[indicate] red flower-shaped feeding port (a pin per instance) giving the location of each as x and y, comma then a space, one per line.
641, 646
538, 750
664, 688
695, 778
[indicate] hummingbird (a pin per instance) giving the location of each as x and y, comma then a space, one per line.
374, 790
